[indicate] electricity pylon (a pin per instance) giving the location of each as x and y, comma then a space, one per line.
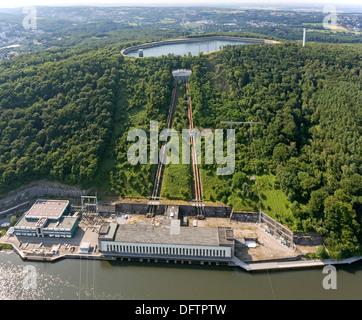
243, 122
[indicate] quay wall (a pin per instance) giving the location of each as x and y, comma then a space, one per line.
262, 265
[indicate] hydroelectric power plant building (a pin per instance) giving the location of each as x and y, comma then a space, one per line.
47, 218
169, 242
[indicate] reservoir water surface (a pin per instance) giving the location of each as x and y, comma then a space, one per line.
184, 48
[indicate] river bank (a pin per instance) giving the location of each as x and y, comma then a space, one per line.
265, 265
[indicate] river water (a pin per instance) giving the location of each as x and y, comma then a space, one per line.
184, 48
94, 279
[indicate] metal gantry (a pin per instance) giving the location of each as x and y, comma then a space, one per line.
89, 205
277, 230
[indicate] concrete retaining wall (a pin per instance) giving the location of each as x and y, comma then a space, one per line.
245, 216
184, 210
307, 239
138, 208
210, 211
31, 192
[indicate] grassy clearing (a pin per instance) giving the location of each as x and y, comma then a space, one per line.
167, 20
274, 201
242, 203
139, 181
177, 177
312, 24
355, 45
177, 182
242, 194
211, 183
333, 29
222, 189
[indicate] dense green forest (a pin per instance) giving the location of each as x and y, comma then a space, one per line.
145, 90
65, 115
307, 101
56, 116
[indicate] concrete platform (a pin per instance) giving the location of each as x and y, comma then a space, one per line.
39, 248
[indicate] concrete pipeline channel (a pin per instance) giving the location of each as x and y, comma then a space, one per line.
196, 176
158, 178
125, 51
197, 186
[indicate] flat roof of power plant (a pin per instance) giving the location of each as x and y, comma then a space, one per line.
64, 223
52, 209
107, 230
142, 233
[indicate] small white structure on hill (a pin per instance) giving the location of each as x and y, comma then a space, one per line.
181, 74
304, 36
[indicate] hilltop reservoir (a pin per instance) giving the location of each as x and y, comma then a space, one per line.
188, 45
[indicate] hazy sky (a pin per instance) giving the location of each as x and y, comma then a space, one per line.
237, 3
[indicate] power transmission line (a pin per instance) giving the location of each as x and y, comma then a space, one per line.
231, 123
